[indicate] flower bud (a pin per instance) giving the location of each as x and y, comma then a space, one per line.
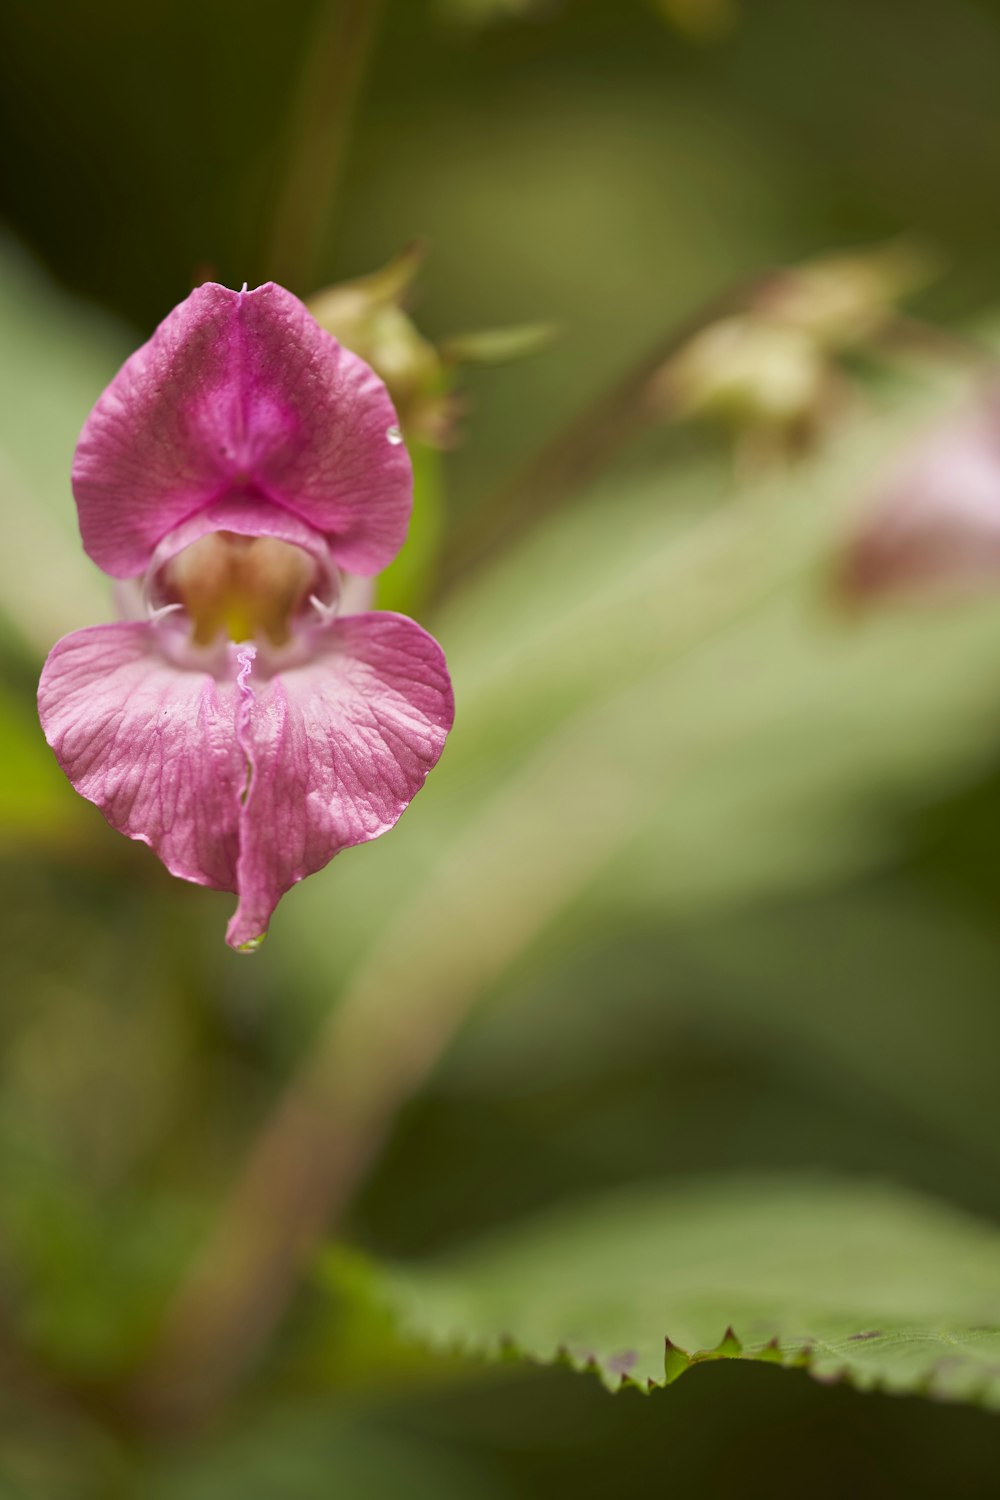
747, 372
368, 316
770, 371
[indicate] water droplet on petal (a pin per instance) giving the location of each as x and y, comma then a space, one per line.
252, 944
394, 435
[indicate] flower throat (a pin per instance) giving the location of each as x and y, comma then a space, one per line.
244, 587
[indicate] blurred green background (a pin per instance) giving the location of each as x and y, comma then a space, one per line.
708, 870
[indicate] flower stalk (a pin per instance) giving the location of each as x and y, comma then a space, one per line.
319, 135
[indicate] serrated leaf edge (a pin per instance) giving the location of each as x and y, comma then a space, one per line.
677, 1361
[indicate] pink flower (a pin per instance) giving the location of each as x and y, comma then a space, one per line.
239, 465
933, 526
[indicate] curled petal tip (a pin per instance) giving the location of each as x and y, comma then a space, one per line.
251, 945
245, 933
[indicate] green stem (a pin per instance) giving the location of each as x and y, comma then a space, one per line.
593, 439
581, 450
320, 131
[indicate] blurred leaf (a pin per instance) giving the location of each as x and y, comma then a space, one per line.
486, 12
35, 798
302, 1452
58, 356
494, 345
902, 997
349, 1339
88, 1274
656, 687
51, 1451
703, 20
854, 1280
854, 1030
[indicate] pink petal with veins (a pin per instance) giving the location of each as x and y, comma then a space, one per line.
152, 745
241, 397
337, 747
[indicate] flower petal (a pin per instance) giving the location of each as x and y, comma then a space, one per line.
152, 745
338, 747
934, 524
242, 394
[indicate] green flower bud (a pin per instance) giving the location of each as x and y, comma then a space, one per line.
369, 317
746, 372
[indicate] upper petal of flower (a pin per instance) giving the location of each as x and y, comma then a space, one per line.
153, 746
242, 394
337, 749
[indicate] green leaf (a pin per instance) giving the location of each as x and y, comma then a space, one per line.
656, 699
35, 798
303, 1451
491, 346
58, 356
851, 1279
484, 12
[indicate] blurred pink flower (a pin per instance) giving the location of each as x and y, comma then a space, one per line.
934, 524
237, 468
